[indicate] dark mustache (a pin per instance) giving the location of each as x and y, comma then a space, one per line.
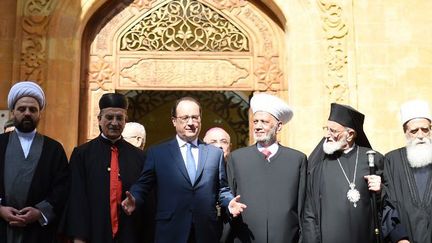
27, 119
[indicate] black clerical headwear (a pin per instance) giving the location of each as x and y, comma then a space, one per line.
349, 117
113, 100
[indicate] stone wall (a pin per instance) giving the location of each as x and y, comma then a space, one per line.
370, 55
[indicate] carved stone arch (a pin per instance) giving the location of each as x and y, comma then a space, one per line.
252, 60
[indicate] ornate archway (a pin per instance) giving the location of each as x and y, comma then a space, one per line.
179, 45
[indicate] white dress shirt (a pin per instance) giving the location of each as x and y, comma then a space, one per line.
183, 149
26, 140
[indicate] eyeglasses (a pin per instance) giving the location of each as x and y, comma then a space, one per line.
185, 119
332, 131
425, 130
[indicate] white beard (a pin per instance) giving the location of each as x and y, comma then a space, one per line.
269, 138
331, 147
419, 152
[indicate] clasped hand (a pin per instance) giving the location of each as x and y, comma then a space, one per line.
19, 218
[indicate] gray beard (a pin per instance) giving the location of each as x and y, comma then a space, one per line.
419, 155
331, 147
269, 139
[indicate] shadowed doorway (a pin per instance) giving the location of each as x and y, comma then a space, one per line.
226, 109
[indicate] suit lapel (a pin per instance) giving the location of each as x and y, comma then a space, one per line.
178, 158
202, 158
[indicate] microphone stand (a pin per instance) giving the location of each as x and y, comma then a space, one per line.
377, 226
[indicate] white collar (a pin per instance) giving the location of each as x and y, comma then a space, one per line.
182, 142
272, 148
349, 149
26, 135
112, 140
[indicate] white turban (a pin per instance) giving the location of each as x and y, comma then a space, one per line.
415, 109
25, 89
273, 105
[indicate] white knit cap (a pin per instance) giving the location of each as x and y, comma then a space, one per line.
414, 109
25, 89
273, 105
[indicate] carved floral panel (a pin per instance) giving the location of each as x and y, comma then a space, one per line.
182, 73
336, 31
183, 25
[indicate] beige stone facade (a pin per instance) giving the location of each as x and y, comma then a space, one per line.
370, 55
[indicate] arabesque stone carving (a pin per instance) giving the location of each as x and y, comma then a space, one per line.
269, 74
336, 31
140, 4
177, 74
184, 25
100, 73
36, 15
228, 4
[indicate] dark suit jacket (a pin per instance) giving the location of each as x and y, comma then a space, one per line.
179, 204
50, 183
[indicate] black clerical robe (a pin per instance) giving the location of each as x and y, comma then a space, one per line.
413, 208
273, 192
88, 210
49, 183
328, 215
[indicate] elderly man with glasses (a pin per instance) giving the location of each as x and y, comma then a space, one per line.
338, 206
407, 171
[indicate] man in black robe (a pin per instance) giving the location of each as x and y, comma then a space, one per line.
338, 205
33, 172
269, 177
101, 171
407, 174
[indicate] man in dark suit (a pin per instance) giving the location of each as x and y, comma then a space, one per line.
33, 172
189, 178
